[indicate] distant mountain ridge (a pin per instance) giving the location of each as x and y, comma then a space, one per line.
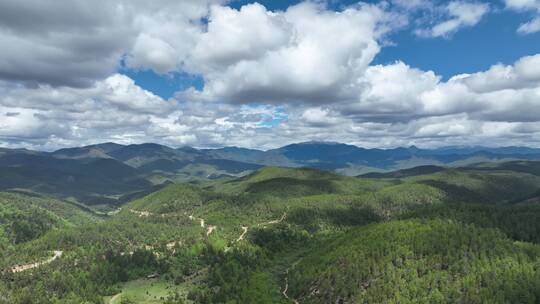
105, 173
319, 155
352, 160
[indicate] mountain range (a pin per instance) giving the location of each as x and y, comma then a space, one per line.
109, 173
319, 155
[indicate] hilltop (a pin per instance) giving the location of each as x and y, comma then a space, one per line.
109, 174
280, 235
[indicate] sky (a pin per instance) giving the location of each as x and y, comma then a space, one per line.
213, 73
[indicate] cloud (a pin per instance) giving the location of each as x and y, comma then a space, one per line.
392, 105
290, 56
400, 105
117, 92
532, 26
389, 92
461, 13
523, 4
76, 42
321, 117
112, 106
398, 92
121, 91
167, 32
522, 74
270, 77
116, 109
27, 124
239, 35
412, 4
61, 42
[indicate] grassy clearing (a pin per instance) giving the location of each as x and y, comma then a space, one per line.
146, 291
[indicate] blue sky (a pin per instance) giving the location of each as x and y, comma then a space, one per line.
493, 40
470, 50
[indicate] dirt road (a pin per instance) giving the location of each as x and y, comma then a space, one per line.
210, 229
286, 288
141, 213
241, 237
20, 268
283, 216
113, 299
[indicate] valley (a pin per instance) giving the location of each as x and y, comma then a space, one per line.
105, 176
287, 235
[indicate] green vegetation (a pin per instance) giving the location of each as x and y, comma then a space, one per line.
26, 216
145, 291
468, 235
437, 261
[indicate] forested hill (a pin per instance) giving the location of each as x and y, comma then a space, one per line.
282, 235
105, 176
348, 159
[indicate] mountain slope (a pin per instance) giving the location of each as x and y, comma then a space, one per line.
416, 261
354, 160
280, 235
87, 180
344, 158
92, 151
26, 216
104, 173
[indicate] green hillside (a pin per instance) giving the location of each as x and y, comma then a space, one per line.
172, 198
287, 182
283, 235
418, 262
26, 216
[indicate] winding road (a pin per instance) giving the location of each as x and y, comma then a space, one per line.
241, 237
20, 268
210, 229
245, 228
283, 216
141, 213
286, 288
113, 299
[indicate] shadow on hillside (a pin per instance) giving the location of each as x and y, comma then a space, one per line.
314, 218
287, 187
455, 193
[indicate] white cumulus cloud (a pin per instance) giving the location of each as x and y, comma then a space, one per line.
270, 77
